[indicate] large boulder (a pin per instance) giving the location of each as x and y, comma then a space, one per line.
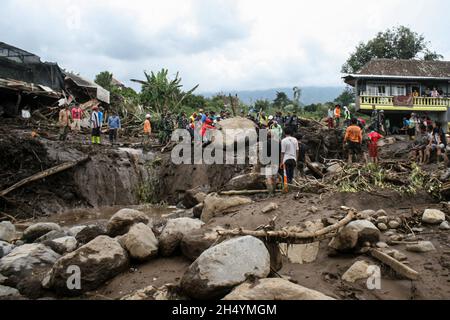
140, 242
432, 216
234, 130
196, 242
7, 231
250, 181
26, 267
100, 260
38, 230
173, 233
8, 293
74, 231
355, 234
89, 233
225, 266
121, 222
274, 289
5, 248
215, 204
25, 258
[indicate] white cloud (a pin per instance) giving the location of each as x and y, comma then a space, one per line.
219, 44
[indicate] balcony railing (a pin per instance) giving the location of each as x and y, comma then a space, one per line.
417, 101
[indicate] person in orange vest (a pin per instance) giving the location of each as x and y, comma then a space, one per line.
147, 130
353, 140
337, 115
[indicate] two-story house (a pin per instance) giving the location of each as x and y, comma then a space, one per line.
402, 87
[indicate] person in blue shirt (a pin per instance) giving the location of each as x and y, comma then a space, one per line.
114, 125
100, 117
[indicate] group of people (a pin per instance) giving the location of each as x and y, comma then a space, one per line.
337, 116
71, 117
433, 93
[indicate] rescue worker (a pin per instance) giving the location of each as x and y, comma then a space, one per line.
77, 115
337, 115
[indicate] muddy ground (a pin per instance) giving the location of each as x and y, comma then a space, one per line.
75, 198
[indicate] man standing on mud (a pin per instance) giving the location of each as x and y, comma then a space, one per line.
353, 140
77, 114
96, 125
114, 126
64, 123
289, 154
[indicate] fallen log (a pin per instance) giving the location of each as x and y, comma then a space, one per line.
44, 174
284, 236
244, 192
396, 265
314, 169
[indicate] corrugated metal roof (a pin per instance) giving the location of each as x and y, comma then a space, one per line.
406, 68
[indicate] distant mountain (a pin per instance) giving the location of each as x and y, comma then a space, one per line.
309, 94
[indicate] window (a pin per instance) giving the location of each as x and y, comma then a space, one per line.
376, 89
398, 90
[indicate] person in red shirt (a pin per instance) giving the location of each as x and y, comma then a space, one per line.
373, 145
77, 115
208, 125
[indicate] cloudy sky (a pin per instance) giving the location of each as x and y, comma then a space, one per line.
219, 44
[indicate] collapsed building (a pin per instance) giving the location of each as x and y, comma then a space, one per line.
27, 83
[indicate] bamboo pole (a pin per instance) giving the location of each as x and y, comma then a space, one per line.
292, 237
43, 174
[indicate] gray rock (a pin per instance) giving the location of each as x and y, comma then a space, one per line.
196, 242
382, 226
444, 226
5, 248
3, 279
383, 219
69, 243
100, 260
38, 230
89, 233
121, 222
421, 247
358, 271
26, 258
7, 292
73, 232
52, 235
224, 266
140, 242
354, 235
335, 168
251, 181
215, 204
274, 289
381, 213
173, 233
432, 216
394, 224
7, 231
382, 245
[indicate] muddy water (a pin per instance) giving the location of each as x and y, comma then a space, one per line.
87, 216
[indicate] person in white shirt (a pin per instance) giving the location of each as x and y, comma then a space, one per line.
289, 154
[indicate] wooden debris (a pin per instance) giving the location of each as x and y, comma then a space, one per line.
285, 236
396, 265
44, 174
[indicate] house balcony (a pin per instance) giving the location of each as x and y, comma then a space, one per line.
387, 103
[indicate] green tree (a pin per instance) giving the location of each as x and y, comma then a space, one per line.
281, 101
161, 94
346, 98
263, 105
104, 79
396, 43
